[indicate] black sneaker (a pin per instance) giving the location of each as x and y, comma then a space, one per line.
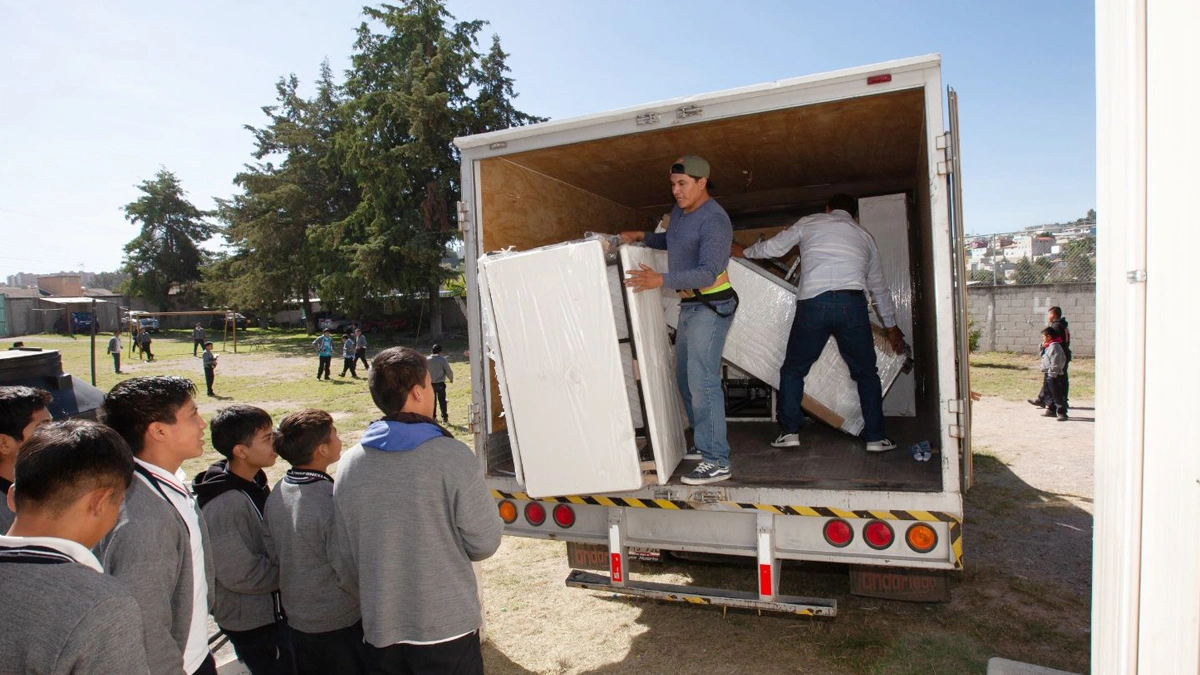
693, 453
1035, 403
1049, 413
706, 473
1062, 417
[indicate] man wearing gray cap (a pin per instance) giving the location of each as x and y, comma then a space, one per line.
697, 244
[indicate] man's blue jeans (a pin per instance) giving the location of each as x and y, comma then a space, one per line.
699, 341
844, 316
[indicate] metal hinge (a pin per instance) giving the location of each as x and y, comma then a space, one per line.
956, 431
942, 142
647, 119
945, 167
1136, 276
473, 417
955, 405
464, 223
687, 111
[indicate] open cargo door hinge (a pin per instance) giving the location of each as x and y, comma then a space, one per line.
464, 218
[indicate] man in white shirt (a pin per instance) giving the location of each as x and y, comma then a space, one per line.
839, 264
157, 548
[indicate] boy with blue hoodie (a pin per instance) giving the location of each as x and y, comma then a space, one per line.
411, 515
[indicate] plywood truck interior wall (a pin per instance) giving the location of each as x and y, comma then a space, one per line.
768, 170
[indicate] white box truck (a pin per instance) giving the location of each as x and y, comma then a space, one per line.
778, 151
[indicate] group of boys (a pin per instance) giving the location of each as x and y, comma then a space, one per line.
125, 559
1055, 353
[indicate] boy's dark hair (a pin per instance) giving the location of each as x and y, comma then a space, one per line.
64, 460
300, 433
394, 372
436, 349
17, 405
237, 424
843, 202
1049, 332
134, 404
208, 344
1056, 311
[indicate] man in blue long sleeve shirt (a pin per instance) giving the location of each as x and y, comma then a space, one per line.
697, 244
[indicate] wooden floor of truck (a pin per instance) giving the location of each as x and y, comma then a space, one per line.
827, 459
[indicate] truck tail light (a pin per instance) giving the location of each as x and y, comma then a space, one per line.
921, 538
508, 512
879, 79
879, 535
564, 516
838, 533
535, 513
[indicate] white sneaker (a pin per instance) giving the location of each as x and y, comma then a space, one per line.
786, 441
693, 453
882, 445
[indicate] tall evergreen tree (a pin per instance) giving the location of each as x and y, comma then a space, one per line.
410, 91
493, 106
277, 224
166, 252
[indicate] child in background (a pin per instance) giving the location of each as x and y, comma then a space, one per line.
324, 345
22, 410
1054, 363
210, 367
348, 356
232, 494
60, 612
326, 623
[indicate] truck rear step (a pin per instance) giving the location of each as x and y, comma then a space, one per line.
789, 604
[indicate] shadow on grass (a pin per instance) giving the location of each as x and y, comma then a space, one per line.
999, 366
1023, 596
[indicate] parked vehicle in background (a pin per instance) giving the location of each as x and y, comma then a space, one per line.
336, 324
81, 322
232, 319
148, 323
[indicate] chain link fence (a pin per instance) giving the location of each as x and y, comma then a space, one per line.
1043, 257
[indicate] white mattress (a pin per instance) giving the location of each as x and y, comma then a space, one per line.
886, 218
551, 329
656, 363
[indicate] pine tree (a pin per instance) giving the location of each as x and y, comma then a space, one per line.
166, 254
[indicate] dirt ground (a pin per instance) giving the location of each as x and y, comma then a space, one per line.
1024, 593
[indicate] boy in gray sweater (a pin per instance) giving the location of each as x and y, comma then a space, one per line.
411, 515
61, 614
158, 548
232, 494
326, 624
22, 410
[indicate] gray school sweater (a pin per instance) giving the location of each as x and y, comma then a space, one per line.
439, 369
412, 513
61, 616
298, 534
150, 553
244, 574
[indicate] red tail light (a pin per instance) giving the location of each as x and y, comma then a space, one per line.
878, 534
838, 533
564, 516
535, 513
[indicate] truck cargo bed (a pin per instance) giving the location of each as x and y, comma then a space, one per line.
828, 459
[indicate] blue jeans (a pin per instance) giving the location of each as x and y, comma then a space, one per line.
844, 316
699, 341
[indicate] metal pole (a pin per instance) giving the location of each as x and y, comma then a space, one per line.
93, 342
993, 258
235, 331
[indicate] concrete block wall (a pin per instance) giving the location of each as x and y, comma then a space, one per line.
1011, 318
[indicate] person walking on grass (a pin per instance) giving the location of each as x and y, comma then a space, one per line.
145, 342
324, 345
348, 357
360, 348
439, 373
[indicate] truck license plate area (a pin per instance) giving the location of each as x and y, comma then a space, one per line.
895, 583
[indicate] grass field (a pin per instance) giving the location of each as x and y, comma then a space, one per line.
537, 625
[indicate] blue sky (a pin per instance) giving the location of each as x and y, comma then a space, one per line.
98, 98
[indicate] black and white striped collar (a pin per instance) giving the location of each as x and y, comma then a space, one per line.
46, 550
305, 476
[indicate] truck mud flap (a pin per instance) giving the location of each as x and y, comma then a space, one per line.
718, 597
